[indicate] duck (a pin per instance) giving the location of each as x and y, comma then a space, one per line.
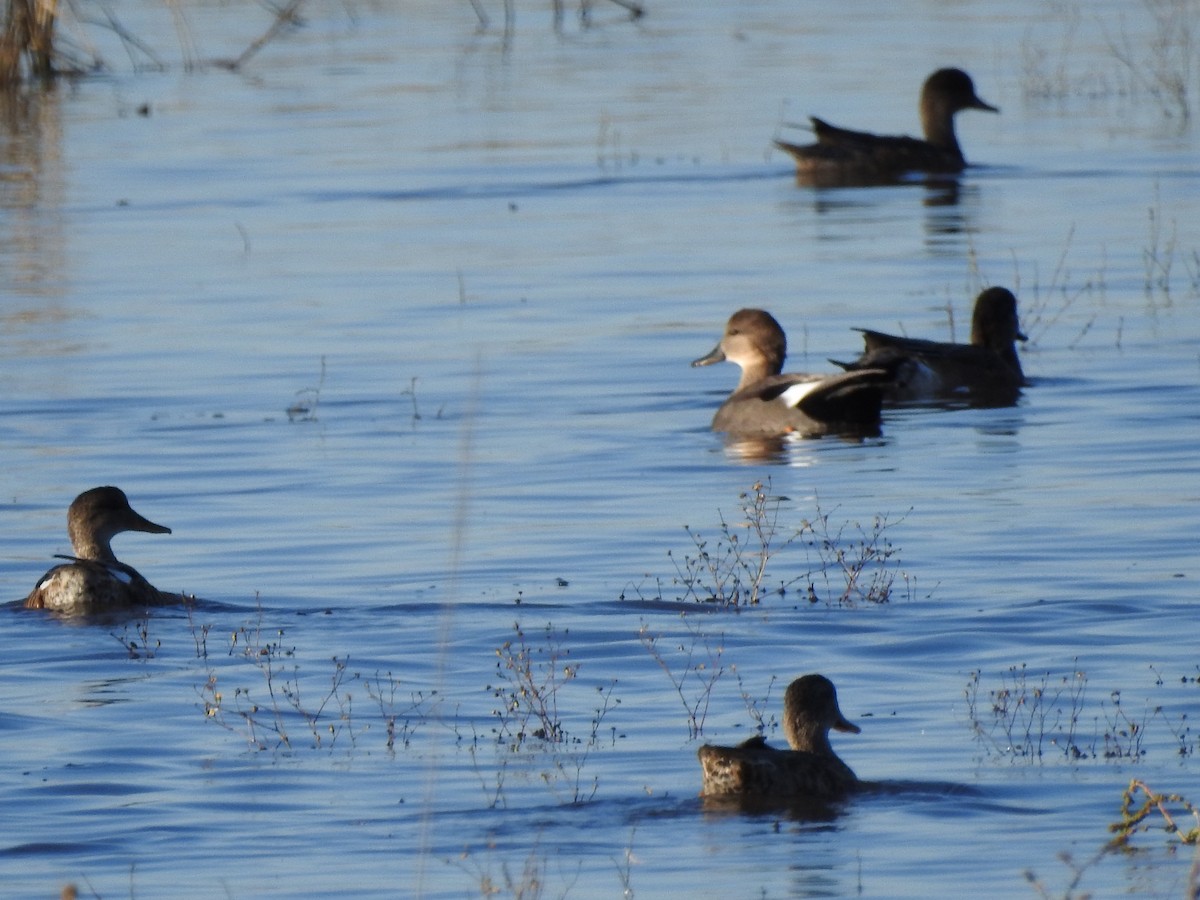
808, 771
94, 580
986, 371
767, 402
844, 155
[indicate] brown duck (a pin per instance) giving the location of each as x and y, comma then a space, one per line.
95, 580
851, 156
769, 403
809, 771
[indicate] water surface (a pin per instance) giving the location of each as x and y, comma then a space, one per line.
482, 267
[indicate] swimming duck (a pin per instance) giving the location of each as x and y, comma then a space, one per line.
841, 154
986, 371
809, 771
766, 402
95, 580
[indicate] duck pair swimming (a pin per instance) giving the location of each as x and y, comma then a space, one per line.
810, 771
892, 369
844, 156
95, 580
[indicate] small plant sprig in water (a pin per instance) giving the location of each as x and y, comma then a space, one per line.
304, 407
734, 571
1029, 717
1078, 870
1029, 714
1134, 816
398, 724
1158, 61
1169, 807
139, 645
271, 716
695, 679
858, 570
763, 721
532, 678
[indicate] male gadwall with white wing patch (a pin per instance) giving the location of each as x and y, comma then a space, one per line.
844, 155
809, 771
768, 403
95, 580
987, 371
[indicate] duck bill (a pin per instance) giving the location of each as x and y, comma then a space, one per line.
843, 725
717, 355
986, 107
1021, 336
139, 522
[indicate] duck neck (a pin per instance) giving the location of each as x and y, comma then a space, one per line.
809, 736
1012, 360
754, 372
89, 545
983, 335
938, 124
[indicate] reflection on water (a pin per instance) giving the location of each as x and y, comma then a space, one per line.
32, 199
795, 450
952, 208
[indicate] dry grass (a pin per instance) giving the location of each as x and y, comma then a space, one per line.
1155, 47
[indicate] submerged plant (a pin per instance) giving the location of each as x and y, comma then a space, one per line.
852, 570
1164, 68
755, 706
138, 645
304, 408
1077, 870
734, 571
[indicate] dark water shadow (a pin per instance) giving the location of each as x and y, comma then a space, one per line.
953, 796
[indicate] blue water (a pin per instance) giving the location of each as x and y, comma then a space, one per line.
481, 269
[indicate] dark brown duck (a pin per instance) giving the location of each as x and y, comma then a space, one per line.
844, 155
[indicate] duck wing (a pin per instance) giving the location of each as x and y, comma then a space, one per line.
875, 153
754, 769
923, 369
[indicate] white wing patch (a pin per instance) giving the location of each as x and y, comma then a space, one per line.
120, 575
797, 392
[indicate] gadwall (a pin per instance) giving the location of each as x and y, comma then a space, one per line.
987, 371
95, 580
809, 771
843, 154
767, 403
